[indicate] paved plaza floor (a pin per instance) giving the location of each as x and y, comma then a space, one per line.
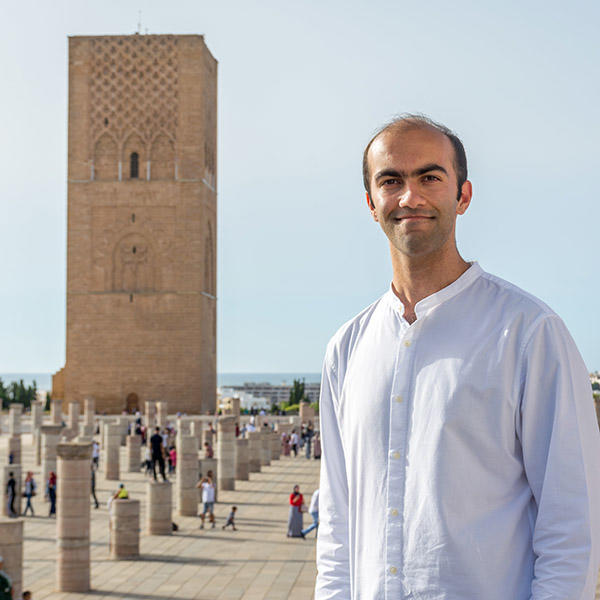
256, 562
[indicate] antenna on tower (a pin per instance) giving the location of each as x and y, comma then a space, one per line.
139, 27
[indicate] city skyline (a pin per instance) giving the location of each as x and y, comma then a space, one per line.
301, 89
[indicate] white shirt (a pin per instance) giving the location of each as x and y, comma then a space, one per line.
460, 453
314, 502
294, 439
208, 492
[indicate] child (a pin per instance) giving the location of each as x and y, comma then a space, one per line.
230, 518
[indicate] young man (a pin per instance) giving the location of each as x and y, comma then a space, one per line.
207, 488
460, 445
158, 452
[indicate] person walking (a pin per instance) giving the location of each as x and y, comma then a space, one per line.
29, 492
295, 515
158, 451
51, 492
10, 494
294, 442
231, 519
317, 445
313, 509
308, 436
207, 488
93, 486
95, 453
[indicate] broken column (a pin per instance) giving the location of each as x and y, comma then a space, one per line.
265, 455
11, 550
14, 430
275, 445
73, 517
56, 412
134, 460
150, 416
158, 508
89, 411
196, 431
307, 413
187, 476
254, 451
50, 439
37, 416
112, 445
124, 529
16, 471
161, 414
241, 460
73, 420
226, 452
123, 423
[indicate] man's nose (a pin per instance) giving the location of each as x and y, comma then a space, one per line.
410, 198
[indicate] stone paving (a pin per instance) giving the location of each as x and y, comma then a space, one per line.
256, 562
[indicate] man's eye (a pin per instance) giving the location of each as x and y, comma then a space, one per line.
431, 178
390, 182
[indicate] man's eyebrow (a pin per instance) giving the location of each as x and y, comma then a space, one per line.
402, 174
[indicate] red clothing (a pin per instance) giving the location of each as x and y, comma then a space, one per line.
296, 500
173, 456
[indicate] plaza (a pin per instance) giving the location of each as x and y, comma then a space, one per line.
257, 561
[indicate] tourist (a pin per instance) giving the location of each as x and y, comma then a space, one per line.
93, 485
27, 595
95, 453
11, 494
158, 451
120, 494
294, 442
172, 459
294, 528
208, 450
6, 590
11, 458
461, 453
231, 519
308, 437
313, 509
207, 488
51, 492
147, 464
317, 445
29, 492
285, 444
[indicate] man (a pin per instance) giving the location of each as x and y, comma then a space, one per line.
313, 509
158, 450
460, 445
207, 488
11, 492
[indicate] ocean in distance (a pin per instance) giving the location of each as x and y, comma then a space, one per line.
44, 380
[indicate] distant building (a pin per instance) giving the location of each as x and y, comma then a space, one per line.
276, 393
141, 231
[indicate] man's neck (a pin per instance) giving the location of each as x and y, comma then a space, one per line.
416, 278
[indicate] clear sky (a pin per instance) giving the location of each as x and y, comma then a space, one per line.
301, 88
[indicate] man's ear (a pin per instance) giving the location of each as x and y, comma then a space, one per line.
371, 207
466, 193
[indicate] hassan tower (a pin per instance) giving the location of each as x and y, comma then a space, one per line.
141, 228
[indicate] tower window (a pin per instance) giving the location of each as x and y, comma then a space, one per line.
134, 165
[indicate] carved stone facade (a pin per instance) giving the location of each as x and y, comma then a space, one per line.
141, 255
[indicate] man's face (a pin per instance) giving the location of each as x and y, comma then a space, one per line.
413, 189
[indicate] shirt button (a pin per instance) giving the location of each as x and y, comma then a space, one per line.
407, 343
394, 512
393, 570
398, 398
395, 454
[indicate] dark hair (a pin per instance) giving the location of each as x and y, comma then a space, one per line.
416, 121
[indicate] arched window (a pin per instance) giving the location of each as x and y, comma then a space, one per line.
134, 165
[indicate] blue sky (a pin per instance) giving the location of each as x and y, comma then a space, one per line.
301, 88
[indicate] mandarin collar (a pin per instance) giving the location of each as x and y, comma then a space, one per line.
430, 302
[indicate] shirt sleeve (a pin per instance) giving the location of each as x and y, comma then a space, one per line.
561, 454
333, 552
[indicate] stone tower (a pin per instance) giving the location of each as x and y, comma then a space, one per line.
141, 249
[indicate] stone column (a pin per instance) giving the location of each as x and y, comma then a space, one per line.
73, 419
112, 445
124, 529
275, 445
187, 476
226, 452
88, 416
207, 436
241, 460
123, 423
254, 451
196, 431
307, 413
56, 412
11, 550
161, 414
36, 423
50, 439
183, 426
265, 455
235, 409
16, 471
150, 417
159, 507
134, 459
73, 517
